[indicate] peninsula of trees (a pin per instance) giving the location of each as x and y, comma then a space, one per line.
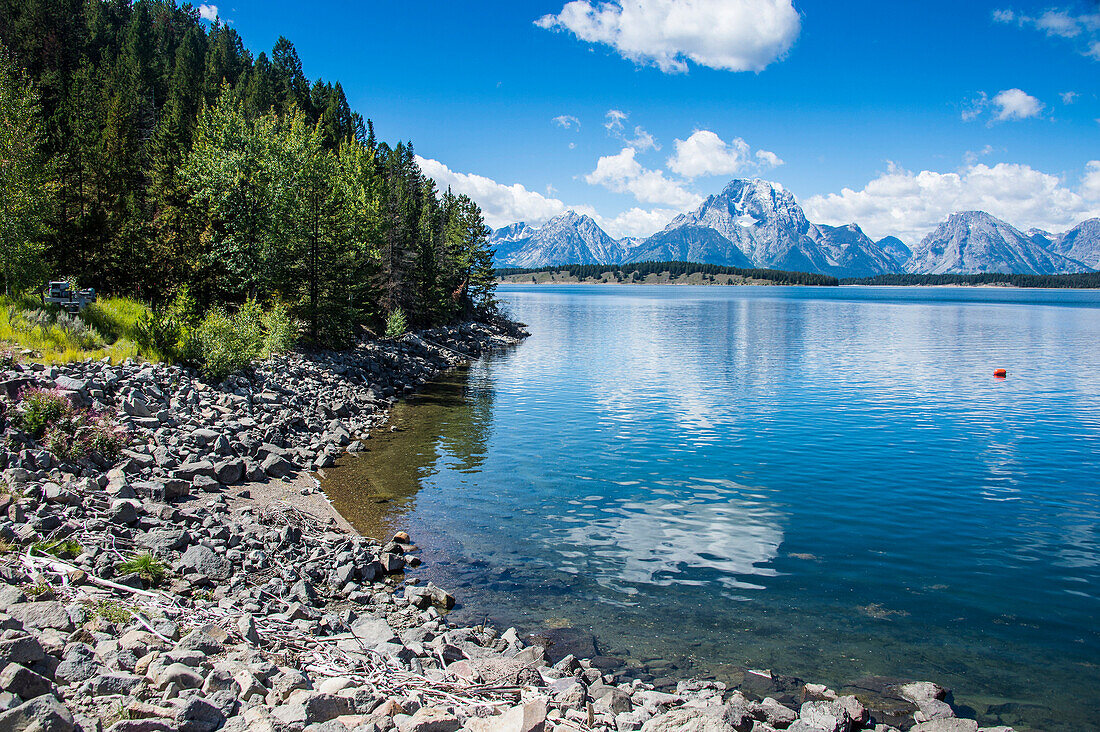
146, 152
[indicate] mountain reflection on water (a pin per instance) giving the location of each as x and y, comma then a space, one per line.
826, 482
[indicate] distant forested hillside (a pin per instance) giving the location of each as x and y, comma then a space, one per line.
146, 152
1082, 280
639, 271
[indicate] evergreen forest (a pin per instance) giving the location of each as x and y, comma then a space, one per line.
148, 153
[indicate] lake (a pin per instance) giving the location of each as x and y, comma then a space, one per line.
824, 482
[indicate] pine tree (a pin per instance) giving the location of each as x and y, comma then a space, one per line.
24, 181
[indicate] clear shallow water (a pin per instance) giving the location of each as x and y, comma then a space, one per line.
825, 482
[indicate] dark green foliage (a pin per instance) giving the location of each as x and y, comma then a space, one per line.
1083, 280
176, 161
641, 270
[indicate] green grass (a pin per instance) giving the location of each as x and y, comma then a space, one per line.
62, 549
110, 610
105, 329
144, 565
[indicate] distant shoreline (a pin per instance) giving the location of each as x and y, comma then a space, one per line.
764, 283
694, 273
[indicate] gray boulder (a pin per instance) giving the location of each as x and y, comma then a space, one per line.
43, 714
203, 560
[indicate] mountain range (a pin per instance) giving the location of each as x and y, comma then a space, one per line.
757, 223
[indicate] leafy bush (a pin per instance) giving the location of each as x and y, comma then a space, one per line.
280, 330
40, 408
396, 323
224, 343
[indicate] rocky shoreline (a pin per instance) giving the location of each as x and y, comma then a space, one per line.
272, 617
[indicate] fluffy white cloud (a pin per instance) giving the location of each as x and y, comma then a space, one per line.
1080, 28
501, 204
1006, 105
768, 159
909, 205
1069, 97
705, 153
1090, 184
208, 12
1016, 104
622, 173
567, 121
731, 35
637, 222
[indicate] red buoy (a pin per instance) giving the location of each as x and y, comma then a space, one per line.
1000, 373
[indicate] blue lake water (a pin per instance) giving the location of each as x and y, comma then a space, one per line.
826, 482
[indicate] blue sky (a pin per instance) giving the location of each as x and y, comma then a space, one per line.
888, 114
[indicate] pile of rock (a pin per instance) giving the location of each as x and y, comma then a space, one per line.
268, 620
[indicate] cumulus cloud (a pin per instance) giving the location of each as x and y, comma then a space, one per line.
501, 204
909, 205
622, 173
1090, 183
1005, 105
730, 35
1069, 97
208, 12
567, 121
705, 153
1016, 104
637, 221
768, 159
1080, 28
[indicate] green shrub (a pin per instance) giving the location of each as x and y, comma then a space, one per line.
280, 330
396, 324
40, 408
224, 343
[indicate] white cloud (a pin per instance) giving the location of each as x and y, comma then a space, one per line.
1006, 105
567, 121
1016, 104
768, 159
501, 204
208, 12
641, 141
705, 153
971, 156
730, 35
621, 173
614, 123
909, 205
1090, 183
1069, 97
637, 222
1082, 29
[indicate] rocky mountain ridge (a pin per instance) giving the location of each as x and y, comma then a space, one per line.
758, 223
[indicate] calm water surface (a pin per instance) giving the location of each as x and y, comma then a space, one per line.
827, 482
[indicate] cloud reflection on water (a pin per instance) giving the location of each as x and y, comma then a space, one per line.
693, 539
